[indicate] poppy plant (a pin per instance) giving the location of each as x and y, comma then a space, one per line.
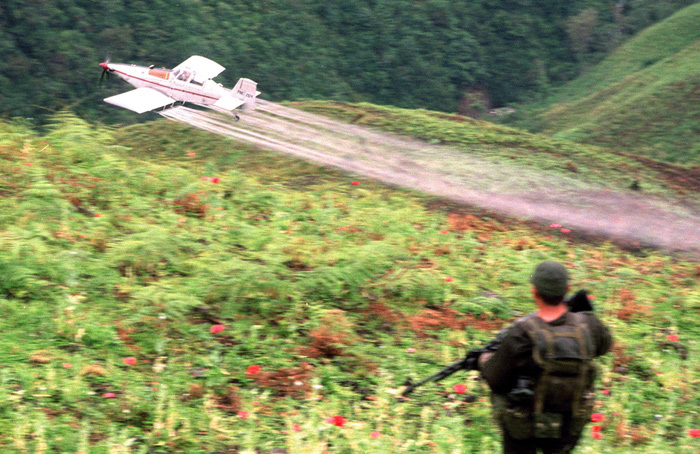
129, 361
216, 329
695, 433
374, 435
336, 420
565, 230
109, 395
597, 435
597, 417
449, 279
410, 350
252, 369
243, 414
459, 388
191, 155
672, 338
296, 427
555, 226
354, 183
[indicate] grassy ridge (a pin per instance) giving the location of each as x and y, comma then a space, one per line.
643, 98
112, 246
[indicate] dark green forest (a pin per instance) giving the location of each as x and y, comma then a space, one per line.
449, 55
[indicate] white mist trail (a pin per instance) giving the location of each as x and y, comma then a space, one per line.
505, 188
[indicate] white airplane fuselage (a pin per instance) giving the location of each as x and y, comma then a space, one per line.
179, 86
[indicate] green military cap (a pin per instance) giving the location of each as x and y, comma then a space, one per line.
550, 279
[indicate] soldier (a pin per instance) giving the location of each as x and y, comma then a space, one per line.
541, 376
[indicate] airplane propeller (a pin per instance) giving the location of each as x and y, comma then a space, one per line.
105, 70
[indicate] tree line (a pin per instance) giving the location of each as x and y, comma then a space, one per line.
449, 55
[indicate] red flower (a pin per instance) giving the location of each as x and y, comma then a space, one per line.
205, 178
565, 231
336, 420
597, 435
97, 215
449, 279
444, 232
605, 391
191, 155
28, 164
596, 428
296, 427
252, 370
130, 361
672, 338
374, 435
555, 226
217, 329
243, 414
215, 180
109, 395
67, 365
695, 433
354, 183
410, 350
459, 388
597, 417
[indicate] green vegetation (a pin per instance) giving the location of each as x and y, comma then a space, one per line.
444, 55
113, 247
644, 97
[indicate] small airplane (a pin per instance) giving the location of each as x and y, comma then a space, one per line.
190, 81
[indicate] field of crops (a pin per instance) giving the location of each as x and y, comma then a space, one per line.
166, 290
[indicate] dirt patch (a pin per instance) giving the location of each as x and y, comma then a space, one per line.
230, 401
630, 309
293, 381
191, 204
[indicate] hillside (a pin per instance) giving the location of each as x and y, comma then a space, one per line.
643, 98
167, 290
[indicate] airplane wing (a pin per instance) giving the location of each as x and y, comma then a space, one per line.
228, 103
203, 67
140, 100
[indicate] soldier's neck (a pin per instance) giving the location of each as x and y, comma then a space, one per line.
551, 313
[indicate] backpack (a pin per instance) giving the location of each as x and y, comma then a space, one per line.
562, 399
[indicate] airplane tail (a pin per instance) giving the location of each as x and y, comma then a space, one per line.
246, 90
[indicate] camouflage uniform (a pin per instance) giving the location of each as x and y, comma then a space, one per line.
515, 360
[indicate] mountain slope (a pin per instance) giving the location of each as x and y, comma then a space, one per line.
144, 308
644, 98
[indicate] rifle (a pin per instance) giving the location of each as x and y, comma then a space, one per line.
578, 302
